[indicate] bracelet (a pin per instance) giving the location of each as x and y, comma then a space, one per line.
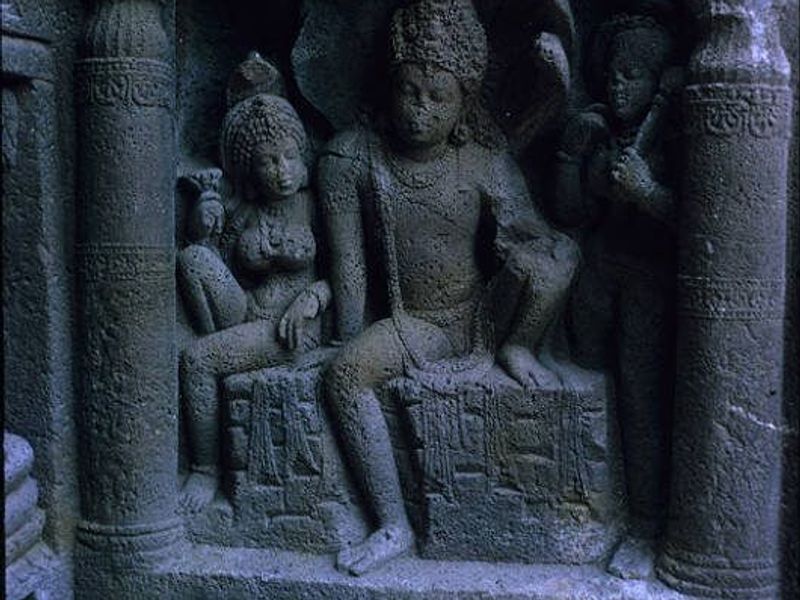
321, 292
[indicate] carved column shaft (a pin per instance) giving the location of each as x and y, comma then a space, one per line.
128, 417
723, 530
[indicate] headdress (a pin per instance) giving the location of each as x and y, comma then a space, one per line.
642, 37
443, 33
255, 120
254, 76
256, 115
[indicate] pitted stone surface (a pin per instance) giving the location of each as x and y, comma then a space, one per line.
474, 300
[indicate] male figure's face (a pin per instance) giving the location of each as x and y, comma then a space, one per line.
631, 87
278, 169
426, 104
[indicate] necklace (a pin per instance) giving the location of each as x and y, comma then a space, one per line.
416, 175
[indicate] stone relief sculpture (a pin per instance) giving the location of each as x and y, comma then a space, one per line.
248, 276
453, 412
611, 182
386, 360
454, 404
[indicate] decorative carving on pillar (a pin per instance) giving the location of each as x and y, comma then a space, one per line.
128, 400
723, 530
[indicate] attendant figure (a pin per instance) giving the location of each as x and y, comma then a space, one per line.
611, 178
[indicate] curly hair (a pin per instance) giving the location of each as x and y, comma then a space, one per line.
639, 36
443, 33
255, 120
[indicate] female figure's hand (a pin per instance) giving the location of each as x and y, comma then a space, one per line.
304, 308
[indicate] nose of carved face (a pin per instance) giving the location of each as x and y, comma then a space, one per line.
418, 122
279, 170
630, 93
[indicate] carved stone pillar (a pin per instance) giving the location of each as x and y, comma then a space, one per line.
723, 530
128, 416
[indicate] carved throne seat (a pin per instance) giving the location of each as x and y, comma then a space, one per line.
495, 473
490, 472
282, 471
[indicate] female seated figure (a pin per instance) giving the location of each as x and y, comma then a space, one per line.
248, 278
441, 228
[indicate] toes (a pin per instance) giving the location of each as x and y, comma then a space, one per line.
362, 566
348, 557
189, 504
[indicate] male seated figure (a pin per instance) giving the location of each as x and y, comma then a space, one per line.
442, 227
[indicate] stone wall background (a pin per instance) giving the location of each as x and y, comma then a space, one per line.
38, 390
211, 37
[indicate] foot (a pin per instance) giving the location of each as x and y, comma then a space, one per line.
379, 548
521, 364
633, 559
198, 491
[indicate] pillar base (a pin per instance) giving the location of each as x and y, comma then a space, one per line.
128, 548
717, 576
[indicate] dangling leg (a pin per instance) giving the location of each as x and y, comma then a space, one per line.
241, 348
374, 357
538, 282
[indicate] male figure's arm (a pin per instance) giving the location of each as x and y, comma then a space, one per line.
341, 209
519, 225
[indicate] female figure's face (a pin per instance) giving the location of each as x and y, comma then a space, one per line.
278, 169
631, 87
426, 104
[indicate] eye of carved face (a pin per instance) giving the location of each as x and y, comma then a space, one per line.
278, 169
631, 87
426, 104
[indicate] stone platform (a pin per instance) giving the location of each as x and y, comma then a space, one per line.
490, 471
284, 483
204, 572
